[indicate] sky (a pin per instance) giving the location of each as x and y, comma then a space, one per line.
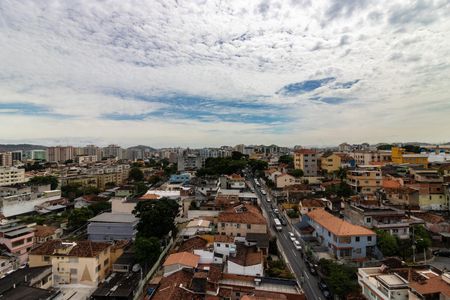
209, 73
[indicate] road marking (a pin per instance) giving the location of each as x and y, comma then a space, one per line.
306, 274
294, 253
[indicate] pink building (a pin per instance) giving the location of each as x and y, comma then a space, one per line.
18, 239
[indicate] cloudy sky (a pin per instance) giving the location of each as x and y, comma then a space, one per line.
166, 73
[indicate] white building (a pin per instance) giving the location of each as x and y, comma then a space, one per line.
11, 175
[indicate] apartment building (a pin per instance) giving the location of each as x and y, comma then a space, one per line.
11, 175
112, 226
241, 220
113, 151
366, 179
306, 160
81, 262
400, 156
6, 159
332, 162
404, 283
366, 157
189, 162
18, 239
37, 154
343, 239
60, 153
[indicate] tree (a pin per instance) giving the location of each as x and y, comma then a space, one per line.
156, 217
421, 238
341, 279
286, 159
140, 188
236, 155
412, 148
79, 217
99, 207
154, 179
257, 165
387, 243
341, 173
41, 180
297, 173
135, 174
147, 250
384, 147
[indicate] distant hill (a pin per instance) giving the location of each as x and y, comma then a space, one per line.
142, 148
24, 147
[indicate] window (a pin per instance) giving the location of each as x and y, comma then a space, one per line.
218, 244
238, 225
227, 246
17, 243
223, 224
369, 238
358, 250
46, 258
249, 226
357, 239
106, 262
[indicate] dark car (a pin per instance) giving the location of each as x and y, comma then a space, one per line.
325, 290
442, 253
311, 268
283, 221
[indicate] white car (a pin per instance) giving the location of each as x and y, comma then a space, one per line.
297, 245
263, 192
275, 210
291, 235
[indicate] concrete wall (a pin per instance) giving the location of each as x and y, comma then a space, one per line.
234, 268
101, 231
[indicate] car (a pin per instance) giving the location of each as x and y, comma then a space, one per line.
291, 234
263, 192
442, 253
323, 287
283, 221
297, 245
292, 238
275, 210
311, 268
268, 199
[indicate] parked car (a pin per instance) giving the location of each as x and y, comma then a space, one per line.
325, 290
442, 253
311, 268
275, 210
283, 221
297, 245
291, 234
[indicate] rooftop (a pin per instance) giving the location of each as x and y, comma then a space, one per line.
182, 258
243, 214
78, 249
108, 217
44, 231
337, 226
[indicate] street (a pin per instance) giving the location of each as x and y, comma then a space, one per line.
293, 257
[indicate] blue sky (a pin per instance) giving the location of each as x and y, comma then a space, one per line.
195, 73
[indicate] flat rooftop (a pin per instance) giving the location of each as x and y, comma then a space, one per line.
108, 217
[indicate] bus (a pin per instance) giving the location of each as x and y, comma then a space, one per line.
277, 224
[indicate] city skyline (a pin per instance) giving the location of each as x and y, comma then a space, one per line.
166, 74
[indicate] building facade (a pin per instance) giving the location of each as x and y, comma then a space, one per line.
306, 160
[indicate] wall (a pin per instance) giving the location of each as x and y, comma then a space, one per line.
234, 268
102, 231
235, 229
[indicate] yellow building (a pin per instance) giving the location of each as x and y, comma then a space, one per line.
81, 262
366, 180
399, 156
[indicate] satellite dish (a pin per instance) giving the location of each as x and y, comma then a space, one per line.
136, 268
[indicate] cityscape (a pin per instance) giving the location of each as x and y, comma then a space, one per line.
354, 221
225, 150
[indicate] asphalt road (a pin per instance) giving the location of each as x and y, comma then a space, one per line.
308, 282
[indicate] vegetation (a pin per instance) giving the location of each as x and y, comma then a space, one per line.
140, 188
297, 173
412, 148
293, 213
387, 243
286, 159
385, 147
341, 279
273, 248
422, 238
229, 165
42, 180
156, 217
135, 174
72, 191
147, 250
36, 166
80, 216
277, 268
341, 190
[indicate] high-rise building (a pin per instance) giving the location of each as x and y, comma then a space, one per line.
17, 155
60, 153
6, 159
306, 160
11, 175
113, 151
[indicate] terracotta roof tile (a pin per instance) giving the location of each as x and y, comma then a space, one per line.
244, 214
223, 238
182, 258
312, 203
44, 231
337, 226
79, 249
193, 243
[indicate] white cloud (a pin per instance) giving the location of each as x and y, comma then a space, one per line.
75, 57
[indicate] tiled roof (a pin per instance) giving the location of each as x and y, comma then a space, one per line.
306, 151
391, 184
223, 238
44, 231
431, 286
170, 286
248, 215
312, 203
79, 249
337, 226
246, 256
182, 258
193, 243
149, 197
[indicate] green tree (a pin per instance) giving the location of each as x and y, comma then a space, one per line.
79, 217
286, 159
147, 250
341, 279
140, 188
257, 165
297, 173
236, 155
135, 174
387, 243
384, 147
154, 179
99, 207
422, 238
37, 180
156, 218
341, 173
412, 148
